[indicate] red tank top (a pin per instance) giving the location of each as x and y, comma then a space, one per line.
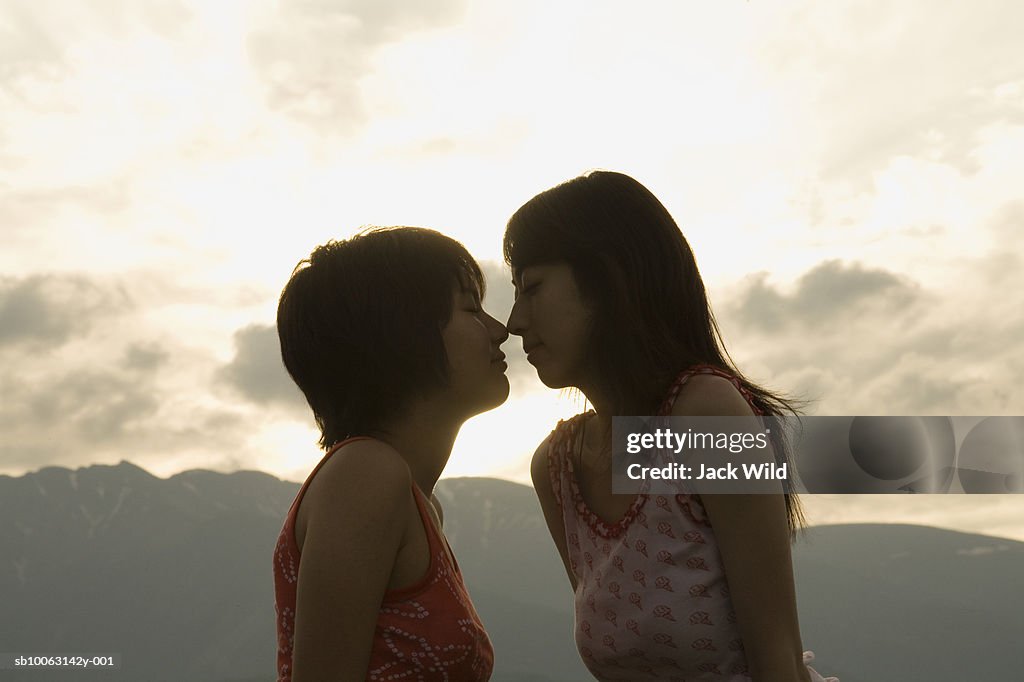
427, 631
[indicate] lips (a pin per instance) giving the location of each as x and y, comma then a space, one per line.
500, 357
531, 348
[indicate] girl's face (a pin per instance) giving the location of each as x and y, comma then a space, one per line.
477, 380
554, 321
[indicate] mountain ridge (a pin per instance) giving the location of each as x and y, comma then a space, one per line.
109, 556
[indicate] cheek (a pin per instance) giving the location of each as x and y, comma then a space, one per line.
574, 343
468, 345
482, 338
573, 326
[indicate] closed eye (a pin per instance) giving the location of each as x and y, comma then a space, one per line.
528, 291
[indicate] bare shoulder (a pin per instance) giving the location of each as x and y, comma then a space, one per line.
539, 463
366, 478
709, 395
366, 464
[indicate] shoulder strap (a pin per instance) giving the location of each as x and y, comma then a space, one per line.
684, 376
435, 537
560, 449
309, 479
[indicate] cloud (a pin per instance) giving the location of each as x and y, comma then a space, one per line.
98, 405
828, 292
27, 47
873, 97
310, 54
861, 340
36, 37
73, 413
142, 401
145, 357
500, 295
1008, 227
25, 209
47, 310
86, 378
257, 371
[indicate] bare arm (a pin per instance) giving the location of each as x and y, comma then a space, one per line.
549, 505
355, 514
753, 538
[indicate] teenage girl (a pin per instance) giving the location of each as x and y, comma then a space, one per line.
609, 301
385, 335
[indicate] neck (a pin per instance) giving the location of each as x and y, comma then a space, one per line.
424, 438
602, 421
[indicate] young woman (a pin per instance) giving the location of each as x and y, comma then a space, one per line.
609, 301
385, 336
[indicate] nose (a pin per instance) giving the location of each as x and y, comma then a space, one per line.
517, 319
498, 331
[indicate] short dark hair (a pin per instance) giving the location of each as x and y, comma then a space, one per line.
634, 267
360, 324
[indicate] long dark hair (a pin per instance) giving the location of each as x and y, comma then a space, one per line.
650, 313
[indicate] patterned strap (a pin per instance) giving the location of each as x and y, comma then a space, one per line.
684, 376
692, 505
557, 464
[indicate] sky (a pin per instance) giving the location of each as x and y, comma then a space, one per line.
847, 173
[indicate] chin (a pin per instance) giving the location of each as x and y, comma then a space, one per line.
497, 395
552, 380
501, 392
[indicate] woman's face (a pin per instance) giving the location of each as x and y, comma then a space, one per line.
554, 321
477, 380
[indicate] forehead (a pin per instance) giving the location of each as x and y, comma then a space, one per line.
538, 269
